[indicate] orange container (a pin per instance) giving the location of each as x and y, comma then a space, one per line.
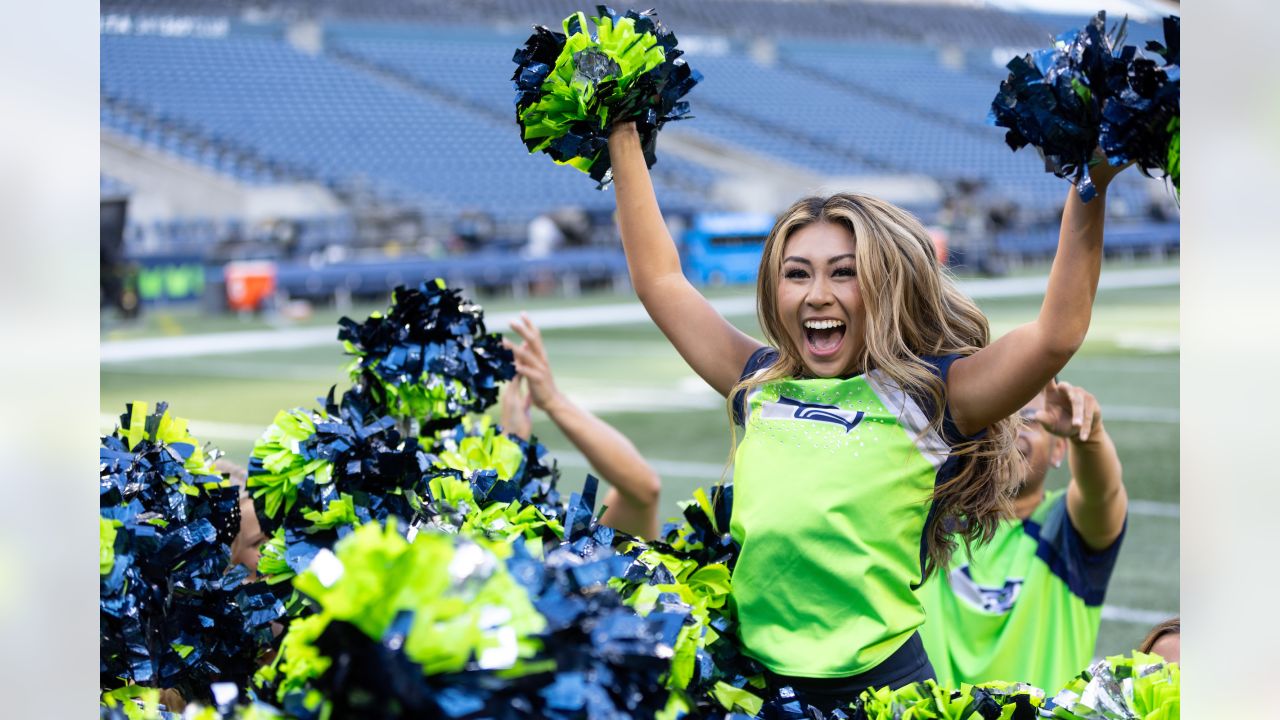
249, 283
939, 237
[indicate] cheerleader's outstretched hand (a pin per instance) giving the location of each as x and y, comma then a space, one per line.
632, 500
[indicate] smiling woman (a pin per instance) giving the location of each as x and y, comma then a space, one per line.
878, 420
820, 291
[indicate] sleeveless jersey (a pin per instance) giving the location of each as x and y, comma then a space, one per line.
1025, 607
832, 485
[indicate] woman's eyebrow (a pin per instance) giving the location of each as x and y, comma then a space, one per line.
838, 258
793, 258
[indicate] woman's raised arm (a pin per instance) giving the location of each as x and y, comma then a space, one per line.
714, 348
998, 380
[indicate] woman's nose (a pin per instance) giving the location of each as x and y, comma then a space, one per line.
819, 293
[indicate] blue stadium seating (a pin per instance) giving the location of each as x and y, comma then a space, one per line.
338, 124
893, 81
922, 23
421, 114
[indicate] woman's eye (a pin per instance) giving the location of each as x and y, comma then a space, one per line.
796, 274
844, 272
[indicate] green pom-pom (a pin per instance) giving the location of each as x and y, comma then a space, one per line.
137, 702
449, 584
271, 559
598, 64
1139, 686
737, 699
573, 87
138, 425
107, 544
484, 447
285, 466
299, 661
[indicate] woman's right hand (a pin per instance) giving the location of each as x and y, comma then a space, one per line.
621, 129
714, 348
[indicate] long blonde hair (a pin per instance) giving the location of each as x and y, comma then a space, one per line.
913, 309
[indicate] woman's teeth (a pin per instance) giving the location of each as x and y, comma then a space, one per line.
822, 324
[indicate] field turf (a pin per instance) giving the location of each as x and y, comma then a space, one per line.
630, 375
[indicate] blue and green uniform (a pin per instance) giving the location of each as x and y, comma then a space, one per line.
833, 480
1025, 607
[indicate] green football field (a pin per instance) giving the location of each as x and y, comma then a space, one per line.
626, 372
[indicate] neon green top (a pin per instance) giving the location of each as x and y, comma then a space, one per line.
1026, 607
831, 498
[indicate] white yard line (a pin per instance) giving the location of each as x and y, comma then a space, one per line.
1152, 508
1141, 414
1135, 616
240, 370
614, 314
710, 472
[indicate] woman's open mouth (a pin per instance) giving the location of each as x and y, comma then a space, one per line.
823, 337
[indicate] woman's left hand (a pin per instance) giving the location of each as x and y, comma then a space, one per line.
1102, 171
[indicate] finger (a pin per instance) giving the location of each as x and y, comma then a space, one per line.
532, 358
536, 339
1058, 400
1077, 409
1086, 427
521, 330
524, 356
522, 370
531, 338
531, 373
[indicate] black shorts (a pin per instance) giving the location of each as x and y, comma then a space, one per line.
908, 664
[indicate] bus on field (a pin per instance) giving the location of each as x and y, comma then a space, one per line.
723, 248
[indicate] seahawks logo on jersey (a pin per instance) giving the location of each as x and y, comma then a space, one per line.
991, 599
788, 409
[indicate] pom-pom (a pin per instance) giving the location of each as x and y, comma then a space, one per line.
1138, 686
138, 703
428, 361
1053, 100
572, 87
1140, 122
446, 625
171, 614
500, 466
314, 475
689, 568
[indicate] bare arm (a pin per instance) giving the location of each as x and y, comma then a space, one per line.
632, 499
1096, 498
713, 347
998, 380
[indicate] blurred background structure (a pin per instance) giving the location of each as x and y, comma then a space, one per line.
269, 165
274, 150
